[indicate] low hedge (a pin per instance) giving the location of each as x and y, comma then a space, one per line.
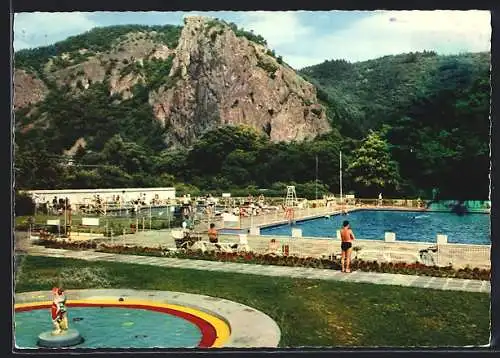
68, 245
293, 261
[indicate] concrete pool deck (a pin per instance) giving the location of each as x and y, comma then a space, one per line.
248, 327
438, 283
458, 255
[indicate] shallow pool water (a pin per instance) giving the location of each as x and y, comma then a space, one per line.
111, 327
408, 226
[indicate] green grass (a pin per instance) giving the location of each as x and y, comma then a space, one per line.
309, 312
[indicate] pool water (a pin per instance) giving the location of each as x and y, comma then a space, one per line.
112, 327
408, 226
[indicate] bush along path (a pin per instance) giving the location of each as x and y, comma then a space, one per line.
250, 264
290, 261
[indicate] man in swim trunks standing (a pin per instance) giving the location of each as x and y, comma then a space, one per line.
347, 237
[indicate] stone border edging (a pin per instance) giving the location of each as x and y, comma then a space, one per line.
249, 327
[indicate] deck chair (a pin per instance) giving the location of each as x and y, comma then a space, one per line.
278, 251
179, 236
199, 245
211, 246
428, 256
242, 245
219, 246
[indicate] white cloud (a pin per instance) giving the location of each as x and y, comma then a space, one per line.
277, 27
394, 32
36, 28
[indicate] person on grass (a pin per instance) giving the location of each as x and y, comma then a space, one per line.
347, 237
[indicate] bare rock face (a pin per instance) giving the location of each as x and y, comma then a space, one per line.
80, 142
221, 79
134, 48
123, 84
217, 78
28, 89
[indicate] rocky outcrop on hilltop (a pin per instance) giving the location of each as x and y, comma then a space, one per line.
28, 89
223, 79
210, 75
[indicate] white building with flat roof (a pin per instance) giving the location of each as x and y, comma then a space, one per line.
87, 196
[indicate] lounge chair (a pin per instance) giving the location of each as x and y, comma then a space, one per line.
389, 256
177, 234
428, 256
274, 251
180, 239
221, 247
211, 246
242, 245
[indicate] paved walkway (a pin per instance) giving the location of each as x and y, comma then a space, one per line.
451, 284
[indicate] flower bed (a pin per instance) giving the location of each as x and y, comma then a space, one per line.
68, 245
293, 261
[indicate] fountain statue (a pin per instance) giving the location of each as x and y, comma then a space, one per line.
58, 310
62, 335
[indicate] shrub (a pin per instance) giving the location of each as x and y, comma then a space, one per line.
269, 67
24, 204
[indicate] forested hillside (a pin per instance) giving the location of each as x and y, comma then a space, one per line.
433, 111
405, 124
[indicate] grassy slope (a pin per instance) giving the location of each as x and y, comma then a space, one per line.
309, 312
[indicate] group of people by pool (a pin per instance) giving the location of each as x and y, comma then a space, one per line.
346, 237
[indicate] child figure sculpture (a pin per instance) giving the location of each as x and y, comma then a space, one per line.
58, 310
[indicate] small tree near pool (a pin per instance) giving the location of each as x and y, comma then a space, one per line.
372, 169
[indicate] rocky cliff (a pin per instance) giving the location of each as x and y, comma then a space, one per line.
223, 79
28, 89
211, 77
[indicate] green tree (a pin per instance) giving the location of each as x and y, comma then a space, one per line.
24, 204
372, 169
173, 162
238, 166
128, 156
210, 152
83, 178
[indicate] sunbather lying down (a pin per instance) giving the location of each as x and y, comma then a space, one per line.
210, 246
273, 248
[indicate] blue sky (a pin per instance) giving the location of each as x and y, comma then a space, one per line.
303, 38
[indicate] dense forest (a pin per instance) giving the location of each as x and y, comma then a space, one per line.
432, 110
405, 124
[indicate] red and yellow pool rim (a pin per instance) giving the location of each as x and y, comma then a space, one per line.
215, 332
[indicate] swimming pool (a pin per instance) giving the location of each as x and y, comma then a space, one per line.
119, 327
408, 226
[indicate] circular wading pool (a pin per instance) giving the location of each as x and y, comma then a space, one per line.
126, 318
123, 325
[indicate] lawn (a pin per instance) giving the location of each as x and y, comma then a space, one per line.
309, 312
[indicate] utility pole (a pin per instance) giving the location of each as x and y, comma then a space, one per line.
316, 184
340, 177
